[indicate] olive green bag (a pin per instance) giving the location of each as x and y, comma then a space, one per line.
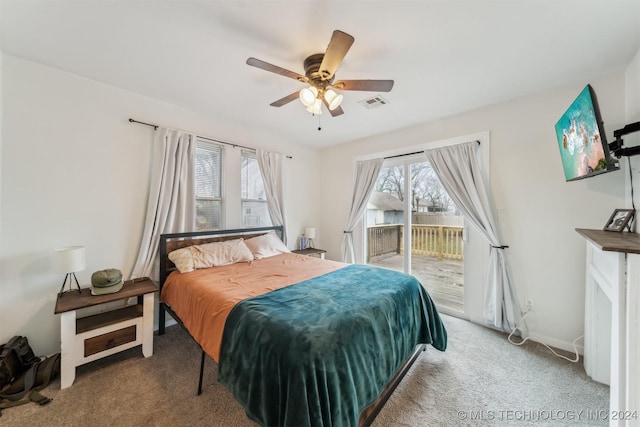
23, 375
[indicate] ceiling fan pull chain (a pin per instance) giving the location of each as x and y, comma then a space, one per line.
319, 127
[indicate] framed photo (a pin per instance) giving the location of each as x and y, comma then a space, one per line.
619, 219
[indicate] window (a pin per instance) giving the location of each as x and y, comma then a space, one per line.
254, 199
208, 176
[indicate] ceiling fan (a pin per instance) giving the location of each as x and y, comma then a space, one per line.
319, 72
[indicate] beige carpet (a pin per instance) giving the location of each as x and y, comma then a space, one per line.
480, 380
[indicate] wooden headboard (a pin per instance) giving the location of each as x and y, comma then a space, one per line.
173, 241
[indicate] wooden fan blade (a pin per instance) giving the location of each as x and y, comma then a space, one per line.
365, 85
287, 99
337, 49
275, 69
335, 112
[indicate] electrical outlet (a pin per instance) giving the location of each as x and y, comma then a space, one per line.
529, 305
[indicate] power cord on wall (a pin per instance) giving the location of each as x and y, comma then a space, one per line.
633, 204
575, 348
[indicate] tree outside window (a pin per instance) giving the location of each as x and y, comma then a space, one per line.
254, 199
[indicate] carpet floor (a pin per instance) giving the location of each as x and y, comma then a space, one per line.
481, 379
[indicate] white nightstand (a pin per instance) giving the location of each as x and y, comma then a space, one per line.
86, 339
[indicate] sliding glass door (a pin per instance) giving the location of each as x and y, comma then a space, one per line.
413, 226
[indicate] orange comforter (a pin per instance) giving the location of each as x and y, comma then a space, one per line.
203, 298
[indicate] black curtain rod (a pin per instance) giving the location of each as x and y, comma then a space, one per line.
155, 127
410, 154
402, 155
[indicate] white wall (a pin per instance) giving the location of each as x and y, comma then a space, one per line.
75, 172
541, 210
632, 114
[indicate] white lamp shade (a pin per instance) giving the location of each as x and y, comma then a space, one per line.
69, 259
316, 108
308, 96
310, 232
333, 99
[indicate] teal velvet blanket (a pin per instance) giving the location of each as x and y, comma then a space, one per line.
318, 352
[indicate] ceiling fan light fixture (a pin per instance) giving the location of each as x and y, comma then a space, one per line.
333, 99
315, 108
308, 96
320, 79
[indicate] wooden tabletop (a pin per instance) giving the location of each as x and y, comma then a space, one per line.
74, 300
613, 241
309, 251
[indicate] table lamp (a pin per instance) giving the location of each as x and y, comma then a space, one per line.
68, 261
310, 234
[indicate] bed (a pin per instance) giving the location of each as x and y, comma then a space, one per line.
299, 341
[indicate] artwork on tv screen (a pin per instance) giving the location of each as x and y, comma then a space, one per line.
583, 146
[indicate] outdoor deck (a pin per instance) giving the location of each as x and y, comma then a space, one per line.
443, 279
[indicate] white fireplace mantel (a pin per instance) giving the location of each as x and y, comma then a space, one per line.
611, 325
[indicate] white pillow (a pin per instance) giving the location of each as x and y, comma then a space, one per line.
266, 245
210, 255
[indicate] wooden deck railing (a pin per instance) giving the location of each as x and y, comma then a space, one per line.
383, 240
440, 241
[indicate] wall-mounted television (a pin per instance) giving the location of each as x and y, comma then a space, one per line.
581, 139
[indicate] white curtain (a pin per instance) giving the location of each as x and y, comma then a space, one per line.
366, 176
459, 172
171, 205
272, 174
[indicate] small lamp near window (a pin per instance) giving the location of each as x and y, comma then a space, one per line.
68, 261
310, 234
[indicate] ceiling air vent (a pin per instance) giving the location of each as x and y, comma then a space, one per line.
375, 102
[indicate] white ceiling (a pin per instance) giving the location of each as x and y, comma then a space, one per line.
445, 56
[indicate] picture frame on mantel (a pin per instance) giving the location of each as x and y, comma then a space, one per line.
619, 220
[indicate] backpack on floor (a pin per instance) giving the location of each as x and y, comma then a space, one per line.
15, 357
23, 375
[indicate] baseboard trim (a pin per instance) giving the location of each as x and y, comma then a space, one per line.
542, 339
559, 344
169, 322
